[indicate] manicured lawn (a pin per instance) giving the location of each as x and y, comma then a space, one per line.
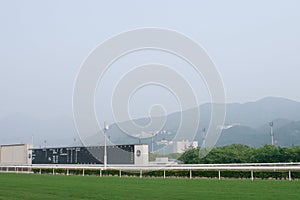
34, 186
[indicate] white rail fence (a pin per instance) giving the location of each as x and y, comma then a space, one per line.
251, 167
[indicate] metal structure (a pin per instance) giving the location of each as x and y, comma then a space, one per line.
271, 124
204, 137
252, 167
105, 145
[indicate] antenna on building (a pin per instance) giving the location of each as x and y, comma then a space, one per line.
204, 137
271, 124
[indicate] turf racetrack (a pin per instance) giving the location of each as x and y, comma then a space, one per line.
33, 186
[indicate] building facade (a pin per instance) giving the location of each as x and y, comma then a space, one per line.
16, 154
116, 155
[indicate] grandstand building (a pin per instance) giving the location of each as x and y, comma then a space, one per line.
116, 154
133, 154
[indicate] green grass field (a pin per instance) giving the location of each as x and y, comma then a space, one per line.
33, 186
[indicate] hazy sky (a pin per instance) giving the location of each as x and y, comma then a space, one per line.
255, 45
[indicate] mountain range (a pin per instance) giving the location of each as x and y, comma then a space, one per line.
246, 123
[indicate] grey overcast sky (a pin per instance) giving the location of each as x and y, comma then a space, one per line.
255, 45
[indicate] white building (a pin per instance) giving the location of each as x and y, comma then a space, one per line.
141, 154
16, 154
183, 145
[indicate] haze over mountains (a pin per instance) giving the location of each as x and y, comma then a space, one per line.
246, 124
254, 121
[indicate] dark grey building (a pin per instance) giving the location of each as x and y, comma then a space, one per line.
116, 154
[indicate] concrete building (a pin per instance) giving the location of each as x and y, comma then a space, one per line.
141, 155
16, 154
183, 145
132, 154
25, 154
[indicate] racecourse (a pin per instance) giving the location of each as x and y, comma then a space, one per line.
35, 186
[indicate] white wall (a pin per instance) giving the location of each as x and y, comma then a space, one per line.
19, 154
141, 158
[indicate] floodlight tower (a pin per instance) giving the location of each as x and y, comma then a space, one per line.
271, 124
204, 137
106, 127
152, 142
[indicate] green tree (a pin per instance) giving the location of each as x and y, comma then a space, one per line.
238, 153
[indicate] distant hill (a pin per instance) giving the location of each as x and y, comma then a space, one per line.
288, 135
256, 114
251, 119
284, 134
242, 135
277, 123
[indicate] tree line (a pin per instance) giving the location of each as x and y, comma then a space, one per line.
238, 153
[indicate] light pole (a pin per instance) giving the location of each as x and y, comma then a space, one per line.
152, 141
272, 132
105, 150
204, 138
152, 144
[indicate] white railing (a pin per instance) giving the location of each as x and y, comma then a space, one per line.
252, 167
246, 166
